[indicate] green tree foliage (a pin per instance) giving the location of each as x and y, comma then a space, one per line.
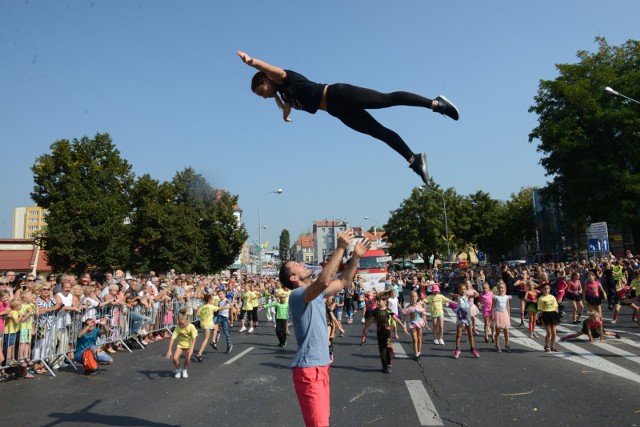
285, 244
485, 220
153, 225
477, 220
418, 226
185, 224
84, 184
519, 221
590, 141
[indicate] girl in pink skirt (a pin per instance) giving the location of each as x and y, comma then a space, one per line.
473, 309
486, 300
417, 313
500, 316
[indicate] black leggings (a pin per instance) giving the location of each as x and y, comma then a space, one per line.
348, 103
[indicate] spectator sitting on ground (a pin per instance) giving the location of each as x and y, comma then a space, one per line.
87, 339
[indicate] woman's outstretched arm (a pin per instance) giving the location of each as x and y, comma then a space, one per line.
276, 74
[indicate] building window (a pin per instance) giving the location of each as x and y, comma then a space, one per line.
33, 213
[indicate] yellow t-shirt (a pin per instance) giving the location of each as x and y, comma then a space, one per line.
254, 301
435, 302
28, 322
215, 300
284, 291
12, 324
247, 301
547, 303
185, 336
205, 313
635, 283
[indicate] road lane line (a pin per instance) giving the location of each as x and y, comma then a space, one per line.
594, 361
230, 361
427, 413
398, 351
627, 341
576, 354
618, 351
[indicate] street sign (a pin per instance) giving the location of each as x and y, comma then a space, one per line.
594, 245
598, 230
480, 256
605, 245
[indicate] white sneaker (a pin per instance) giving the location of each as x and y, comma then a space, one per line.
274, 325
436, 342
178, 373
441, 341
242, 329
250, 330
363, 320
184, 374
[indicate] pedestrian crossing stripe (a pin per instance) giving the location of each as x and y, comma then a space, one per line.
574, 352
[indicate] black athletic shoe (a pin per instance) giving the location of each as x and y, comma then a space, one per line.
447, 108
386, 370
419, 166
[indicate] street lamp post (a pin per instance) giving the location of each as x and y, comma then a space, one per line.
616, 93
446, 222
278, 191
375, 225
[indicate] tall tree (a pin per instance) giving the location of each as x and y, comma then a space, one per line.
152, 225
486, 218
418, 225
285, 244
84, 184
519, 223
590, 141
203, 233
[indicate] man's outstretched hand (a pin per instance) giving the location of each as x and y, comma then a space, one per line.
361, 247
345, 239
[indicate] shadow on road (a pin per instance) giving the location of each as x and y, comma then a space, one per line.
152, 375
85, 416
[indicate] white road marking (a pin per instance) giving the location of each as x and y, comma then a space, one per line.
617, 351
398, 351
578, 355
230, 361
594, 361
427, 413
627, 341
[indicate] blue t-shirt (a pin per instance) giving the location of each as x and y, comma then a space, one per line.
339, 299
310, 325
86, 341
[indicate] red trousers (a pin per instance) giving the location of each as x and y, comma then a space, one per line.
312, 388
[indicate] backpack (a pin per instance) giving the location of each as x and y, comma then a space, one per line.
89, 362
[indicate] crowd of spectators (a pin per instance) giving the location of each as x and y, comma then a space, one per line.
46, 321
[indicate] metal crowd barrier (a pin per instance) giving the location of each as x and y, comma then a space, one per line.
54, 334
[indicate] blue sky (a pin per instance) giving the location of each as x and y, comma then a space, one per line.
162, 78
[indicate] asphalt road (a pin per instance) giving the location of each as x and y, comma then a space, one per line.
584, 384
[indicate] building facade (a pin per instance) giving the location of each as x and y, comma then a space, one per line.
325, 238
27, 220
302, 249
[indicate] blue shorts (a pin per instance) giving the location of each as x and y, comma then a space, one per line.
10, 339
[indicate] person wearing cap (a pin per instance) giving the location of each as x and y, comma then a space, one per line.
436, 302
